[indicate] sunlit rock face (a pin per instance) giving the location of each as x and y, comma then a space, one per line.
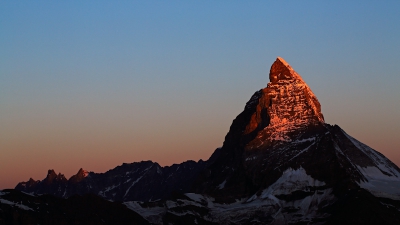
286, 106
79, 176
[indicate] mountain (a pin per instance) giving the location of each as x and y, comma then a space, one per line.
282, 128
134, 181
280, 163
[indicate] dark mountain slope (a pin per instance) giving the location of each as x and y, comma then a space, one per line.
19, 208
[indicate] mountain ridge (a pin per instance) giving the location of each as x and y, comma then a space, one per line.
126, 175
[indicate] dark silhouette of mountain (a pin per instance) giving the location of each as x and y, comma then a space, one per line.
20, 208
280, 163
144, 181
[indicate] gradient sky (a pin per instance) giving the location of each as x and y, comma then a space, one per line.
94, 84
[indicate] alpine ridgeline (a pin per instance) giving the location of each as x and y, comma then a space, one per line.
280, 163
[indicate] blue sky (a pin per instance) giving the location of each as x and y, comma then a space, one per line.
94, 84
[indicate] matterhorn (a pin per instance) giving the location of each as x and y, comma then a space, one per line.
280, 163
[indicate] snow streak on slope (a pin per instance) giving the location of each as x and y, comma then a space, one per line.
14, 204
133, 183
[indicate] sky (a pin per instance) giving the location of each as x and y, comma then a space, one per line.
94, 84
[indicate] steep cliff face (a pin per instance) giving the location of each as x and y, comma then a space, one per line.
286, 106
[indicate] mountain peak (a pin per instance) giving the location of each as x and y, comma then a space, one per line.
281, 70
82, 173
78, 177
286, 106
282, 61
51, 173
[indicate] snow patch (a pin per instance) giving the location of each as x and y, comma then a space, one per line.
380, 184
152, 214
290, 181
27, 193
127, 181
181, 203
195, 197
253, 157
301, 210
380, 161
301, 152
222, 185
303, 140
24, 207
102, 193
383, 178
305, 209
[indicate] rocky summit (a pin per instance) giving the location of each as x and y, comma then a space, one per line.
280, 163
286, 106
